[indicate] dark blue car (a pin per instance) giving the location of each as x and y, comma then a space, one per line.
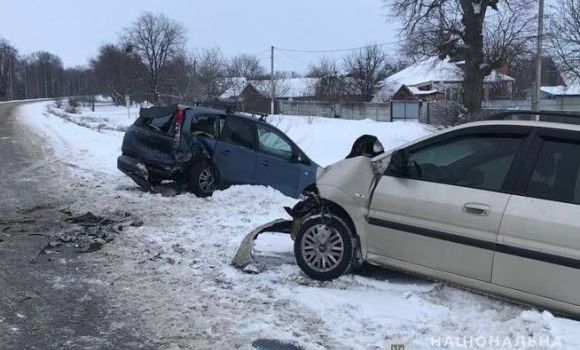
207, 148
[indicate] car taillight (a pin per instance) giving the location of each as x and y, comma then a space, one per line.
179, 117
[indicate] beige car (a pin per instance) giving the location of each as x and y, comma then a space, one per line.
491, 206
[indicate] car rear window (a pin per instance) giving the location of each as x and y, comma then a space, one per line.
161, 124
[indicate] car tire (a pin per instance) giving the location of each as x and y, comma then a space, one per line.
202, 179
328, 259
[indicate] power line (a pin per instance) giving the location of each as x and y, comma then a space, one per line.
285, 55
340, 50
261, 53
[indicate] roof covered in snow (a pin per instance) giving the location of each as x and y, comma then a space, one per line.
416, 91
285, 88
428, 71
561, 90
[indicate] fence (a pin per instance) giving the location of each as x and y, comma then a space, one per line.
357, 111
440, 113
437, 113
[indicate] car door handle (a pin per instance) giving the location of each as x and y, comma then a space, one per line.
477, 209
225, 152
265, 162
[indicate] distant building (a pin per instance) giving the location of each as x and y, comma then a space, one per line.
255, 94
286, 89
437, 80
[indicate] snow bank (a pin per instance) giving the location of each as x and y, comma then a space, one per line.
325, 140
328, 140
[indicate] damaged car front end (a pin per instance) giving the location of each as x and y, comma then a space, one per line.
326, 243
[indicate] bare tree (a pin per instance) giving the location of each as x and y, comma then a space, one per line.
210, 70
281, 84
367, 67
8, 60
118, 73
40, 74
330, 85
49, 66
156, 40
466, 30
179, 83
246, 66
564, 37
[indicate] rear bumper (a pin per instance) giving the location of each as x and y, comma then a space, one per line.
135, 170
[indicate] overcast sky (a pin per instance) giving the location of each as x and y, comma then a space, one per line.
74, 29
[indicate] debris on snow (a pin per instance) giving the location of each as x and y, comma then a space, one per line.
254, 268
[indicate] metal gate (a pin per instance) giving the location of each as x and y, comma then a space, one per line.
406, 110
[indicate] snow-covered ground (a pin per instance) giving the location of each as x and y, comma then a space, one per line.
175, 272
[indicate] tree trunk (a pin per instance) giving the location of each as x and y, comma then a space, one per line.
473, 73
473, 92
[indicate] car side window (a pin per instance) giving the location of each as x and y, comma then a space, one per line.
476, 161
238, 131
205, 126
272, 142
556, 174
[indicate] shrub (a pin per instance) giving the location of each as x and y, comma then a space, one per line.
73, 106
58, 103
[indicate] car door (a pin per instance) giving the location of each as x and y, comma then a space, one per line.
277, 162
234, 154
538, 248
445, 211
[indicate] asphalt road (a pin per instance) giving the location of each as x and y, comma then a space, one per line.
55, 301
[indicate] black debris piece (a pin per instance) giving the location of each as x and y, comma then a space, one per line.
273, 344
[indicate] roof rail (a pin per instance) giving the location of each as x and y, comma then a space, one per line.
211, 105
559, 114
261, 116
229, 109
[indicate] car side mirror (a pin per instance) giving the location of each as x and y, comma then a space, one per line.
295, 157
398, 164
299, 157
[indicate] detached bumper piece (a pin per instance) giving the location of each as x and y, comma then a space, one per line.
243, 258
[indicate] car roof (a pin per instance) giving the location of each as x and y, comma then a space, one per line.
536, 124
523, 123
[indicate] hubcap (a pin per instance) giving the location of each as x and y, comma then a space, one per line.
322, 248
206, 180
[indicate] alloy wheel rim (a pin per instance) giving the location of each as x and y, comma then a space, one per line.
322, 248
206, 180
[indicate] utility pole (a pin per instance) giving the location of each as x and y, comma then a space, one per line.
538, 83
272, 88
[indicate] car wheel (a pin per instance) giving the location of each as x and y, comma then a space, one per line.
324, 251
202, 179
